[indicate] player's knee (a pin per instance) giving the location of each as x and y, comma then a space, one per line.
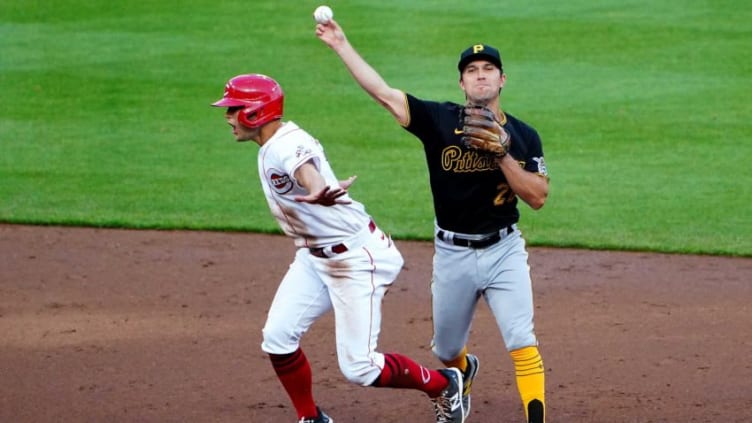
278, 339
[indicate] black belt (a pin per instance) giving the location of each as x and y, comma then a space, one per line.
339, 248
475, 243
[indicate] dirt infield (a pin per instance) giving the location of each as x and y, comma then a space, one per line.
100, 325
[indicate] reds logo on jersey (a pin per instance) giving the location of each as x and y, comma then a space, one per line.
279, 181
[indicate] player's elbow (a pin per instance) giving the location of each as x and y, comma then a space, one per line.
537, 203
539, 195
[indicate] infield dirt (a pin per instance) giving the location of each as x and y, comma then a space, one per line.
102, 325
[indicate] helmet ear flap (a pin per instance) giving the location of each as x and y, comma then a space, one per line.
257, 115
247, 116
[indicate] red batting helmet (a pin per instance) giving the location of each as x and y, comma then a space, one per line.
260, 96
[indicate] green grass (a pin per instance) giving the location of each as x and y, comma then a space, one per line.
642, 106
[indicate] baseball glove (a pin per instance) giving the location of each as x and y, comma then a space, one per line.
483, 132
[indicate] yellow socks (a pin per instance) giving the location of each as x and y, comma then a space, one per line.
459, 361
528, 367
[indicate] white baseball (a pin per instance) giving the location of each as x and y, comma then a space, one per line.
323, 14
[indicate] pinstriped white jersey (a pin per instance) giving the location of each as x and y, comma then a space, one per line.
310, 225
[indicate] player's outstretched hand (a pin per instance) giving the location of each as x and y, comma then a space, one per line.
328, 196
330, 33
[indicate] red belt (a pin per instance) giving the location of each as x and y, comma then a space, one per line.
339, 248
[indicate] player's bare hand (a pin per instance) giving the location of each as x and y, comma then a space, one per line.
328, 196
330, 33
347, 183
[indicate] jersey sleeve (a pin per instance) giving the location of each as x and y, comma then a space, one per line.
534, 161
422, 116
301, 150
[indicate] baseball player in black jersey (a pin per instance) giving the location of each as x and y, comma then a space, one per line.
479, 251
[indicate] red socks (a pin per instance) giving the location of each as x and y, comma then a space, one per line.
402, 372
294, 371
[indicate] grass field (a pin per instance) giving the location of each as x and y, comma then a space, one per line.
642, 106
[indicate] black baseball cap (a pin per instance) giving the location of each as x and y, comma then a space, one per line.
479, 52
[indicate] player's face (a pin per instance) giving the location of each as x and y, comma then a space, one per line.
481, 81
240, 131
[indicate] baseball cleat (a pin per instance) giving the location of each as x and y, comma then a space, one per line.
473, 364
448, 405
322, 418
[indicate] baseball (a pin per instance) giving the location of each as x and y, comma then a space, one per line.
323, 14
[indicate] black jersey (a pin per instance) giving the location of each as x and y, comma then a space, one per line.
470, 192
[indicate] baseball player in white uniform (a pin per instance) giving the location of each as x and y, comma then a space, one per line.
344, 262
